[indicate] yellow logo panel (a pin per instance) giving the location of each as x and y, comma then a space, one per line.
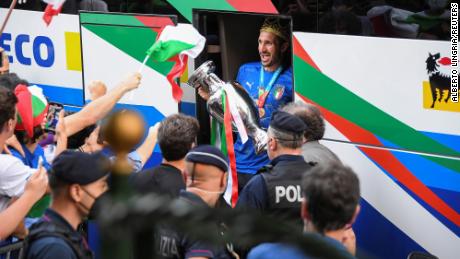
73, 50
440, 103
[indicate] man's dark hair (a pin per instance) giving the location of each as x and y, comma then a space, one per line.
176, 135
332, 195
7, 106
311, 116
57, 185
11, 80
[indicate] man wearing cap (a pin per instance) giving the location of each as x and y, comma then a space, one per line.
206, 179
269, 83
76, 181
276, 189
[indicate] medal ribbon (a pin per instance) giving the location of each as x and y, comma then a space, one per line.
263, 95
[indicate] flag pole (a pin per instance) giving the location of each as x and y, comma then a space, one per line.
143, 64
13, 4
141, 68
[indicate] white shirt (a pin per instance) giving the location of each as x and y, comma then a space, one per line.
13, 178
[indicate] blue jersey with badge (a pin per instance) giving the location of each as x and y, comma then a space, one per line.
280, 93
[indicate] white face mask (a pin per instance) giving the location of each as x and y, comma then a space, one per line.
210, 192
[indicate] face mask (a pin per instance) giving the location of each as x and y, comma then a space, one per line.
210, 192
91, 213
96, 209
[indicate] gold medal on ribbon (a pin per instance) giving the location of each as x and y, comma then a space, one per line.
261, 112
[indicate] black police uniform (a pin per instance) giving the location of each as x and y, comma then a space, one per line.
54, 237
275, 190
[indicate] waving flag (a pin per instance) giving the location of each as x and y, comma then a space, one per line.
52, 9
177, 43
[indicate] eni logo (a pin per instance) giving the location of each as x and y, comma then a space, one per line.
436, 91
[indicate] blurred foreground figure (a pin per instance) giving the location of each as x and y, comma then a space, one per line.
330, 205
206, 174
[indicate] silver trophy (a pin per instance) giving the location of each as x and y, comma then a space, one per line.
204, 77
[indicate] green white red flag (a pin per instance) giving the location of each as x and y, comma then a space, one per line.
177, 43
222, 137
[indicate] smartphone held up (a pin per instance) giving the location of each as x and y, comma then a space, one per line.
53, 116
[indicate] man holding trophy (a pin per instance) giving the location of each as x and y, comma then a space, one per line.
269, 84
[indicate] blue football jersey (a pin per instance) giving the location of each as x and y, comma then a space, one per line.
281, 93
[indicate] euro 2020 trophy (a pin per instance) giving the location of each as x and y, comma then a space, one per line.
204, 77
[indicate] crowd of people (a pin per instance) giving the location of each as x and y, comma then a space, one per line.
49, 188
422, 19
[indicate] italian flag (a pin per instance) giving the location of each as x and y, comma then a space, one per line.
52, 9
221, 136
177, 43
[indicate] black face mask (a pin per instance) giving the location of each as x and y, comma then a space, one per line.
93, 211
96, 209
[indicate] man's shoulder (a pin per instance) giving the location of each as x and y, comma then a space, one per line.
287, 71
250, 67
50, 247
160, 171
256, 181
13, 168
313, 151
254, 193
162, 178
8, 159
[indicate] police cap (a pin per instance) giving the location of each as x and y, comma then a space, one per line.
209, 155
287, 122
80, 168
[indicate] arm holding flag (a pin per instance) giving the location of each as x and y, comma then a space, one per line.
100, 107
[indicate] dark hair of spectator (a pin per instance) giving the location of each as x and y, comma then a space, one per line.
176, 135
311, 116
332, 194
11, 80
7, 106
340, 22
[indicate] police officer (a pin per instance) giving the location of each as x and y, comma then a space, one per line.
77, 179
275, 190
206, 174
